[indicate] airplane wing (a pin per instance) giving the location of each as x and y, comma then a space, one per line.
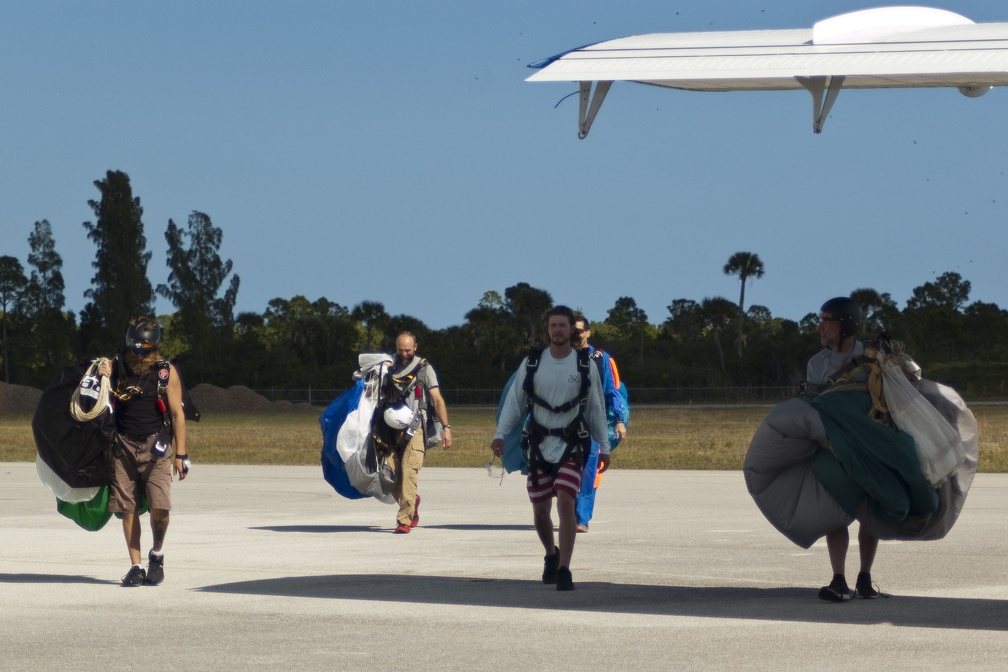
887, 47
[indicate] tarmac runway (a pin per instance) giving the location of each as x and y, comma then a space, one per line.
267, 568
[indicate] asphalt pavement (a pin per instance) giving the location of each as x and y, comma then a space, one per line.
267, 568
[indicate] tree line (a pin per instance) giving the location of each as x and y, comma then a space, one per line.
298, 343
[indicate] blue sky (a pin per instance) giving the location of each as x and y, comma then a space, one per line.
392, 151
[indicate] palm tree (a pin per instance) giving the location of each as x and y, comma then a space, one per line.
372, 314
745, 265
716, 313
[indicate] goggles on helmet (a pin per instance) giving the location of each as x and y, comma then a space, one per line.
141, 348
143, 339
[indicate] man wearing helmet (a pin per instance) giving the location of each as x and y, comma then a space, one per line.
148, 411
839, 321
415, 380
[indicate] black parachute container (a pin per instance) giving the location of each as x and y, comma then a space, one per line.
80, 453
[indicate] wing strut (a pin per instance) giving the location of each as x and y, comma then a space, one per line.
586, 114
816, 86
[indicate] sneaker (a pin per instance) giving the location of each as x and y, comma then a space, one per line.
864, 587
401, 528
836, 591
416, 513
564, 580
550, 564
134, 577
155, 569
581, 528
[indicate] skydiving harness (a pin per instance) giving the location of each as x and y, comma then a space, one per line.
575, 434
414, 394
400, 388
871, 361
807, 389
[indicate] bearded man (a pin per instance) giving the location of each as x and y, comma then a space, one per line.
564, 403
149, 417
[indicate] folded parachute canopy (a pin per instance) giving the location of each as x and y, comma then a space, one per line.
349, 462
75, 456
59, 487
79, 453
513, 457
90, 515
813, 468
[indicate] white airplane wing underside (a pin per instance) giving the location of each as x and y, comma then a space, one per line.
895, 47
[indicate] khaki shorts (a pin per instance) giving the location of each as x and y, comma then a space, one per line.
139, 472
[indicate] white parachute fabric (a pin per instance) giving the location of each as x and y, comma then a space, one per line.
952, 492
940, 449
370, 364
59, 487
355, 429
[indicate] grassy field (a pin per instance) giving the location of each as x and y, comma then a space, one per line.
660, 438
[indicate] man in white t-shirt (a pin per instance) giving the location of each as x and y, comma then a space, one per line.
566, 409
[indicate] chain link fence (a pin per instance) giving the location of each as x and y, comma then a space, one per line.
638, 395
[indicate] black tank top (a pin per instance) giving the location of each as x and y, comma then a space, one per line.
139, 415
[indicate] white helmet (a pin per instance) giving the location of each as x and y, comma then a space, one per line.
398, 417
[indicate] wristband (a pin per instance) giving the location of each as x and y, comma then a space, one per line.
447, 426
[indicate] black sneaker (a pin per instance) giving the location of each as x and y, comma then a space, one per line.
550, 564
836, 591
134, 577
155, 569
864, 587
564, 580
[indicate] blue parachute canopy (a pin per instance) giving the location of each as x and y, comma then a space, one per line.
333, 467
513, 457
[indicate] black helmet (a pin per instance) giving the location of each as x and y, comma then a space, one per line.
844, 310
143, 334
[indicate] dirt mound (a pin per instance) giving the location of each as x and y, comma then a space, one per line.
238, 399
18, 399
22, 400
